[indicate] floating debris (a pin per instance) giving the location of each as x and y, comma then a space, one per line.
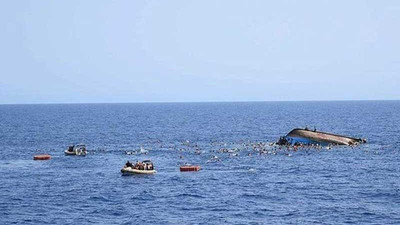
137, 152
42, 157
189, 168
214, 159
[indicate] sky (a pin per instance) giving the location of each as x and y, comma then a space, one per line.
194, 51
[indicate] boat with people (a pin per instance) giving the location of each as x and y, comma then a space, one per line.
144, 167
79, 149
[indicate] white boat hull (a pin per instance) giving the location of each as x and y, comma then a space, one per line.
128, 170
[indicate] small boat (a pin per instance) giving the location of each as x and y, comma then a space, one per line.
42, 157
189, 168
79, 149
145, 167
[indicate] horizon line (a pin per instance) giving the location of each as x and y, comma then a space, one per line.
182, 102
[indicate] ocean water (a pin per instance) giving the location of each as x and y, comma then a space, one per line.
343, 185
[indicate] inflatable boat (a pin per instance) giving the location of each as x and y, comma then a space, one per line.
145, 167
130, 170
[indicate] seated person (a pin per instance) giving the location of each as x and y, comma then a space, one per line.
128, 164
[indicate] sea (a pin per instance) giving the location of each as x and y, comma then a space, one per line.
237, 184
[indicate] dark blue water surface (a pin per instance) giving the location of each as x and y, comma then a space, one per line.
358, 185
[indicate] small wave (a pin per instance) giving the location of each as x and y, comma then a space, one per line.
184, 195
99, 198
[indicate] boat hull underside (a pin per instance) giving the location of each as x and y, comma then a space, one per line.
308, 137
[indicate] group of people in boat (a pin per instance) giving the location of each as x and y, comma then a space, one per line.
140, 165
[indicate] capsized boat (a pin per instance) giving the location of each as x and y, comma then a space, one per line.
145, 167
309, 137
79, 149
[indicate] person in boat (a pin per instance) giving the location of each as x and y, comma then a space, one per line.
128, 164
140, 165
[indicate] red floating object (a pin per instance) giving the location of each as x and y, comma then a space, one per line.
41, 157
190, 168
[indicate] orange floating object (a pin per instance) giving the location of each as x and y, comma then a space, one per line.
41, 157
190, 168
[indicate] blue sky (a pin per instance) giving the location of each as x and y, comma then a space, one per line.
167, 51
